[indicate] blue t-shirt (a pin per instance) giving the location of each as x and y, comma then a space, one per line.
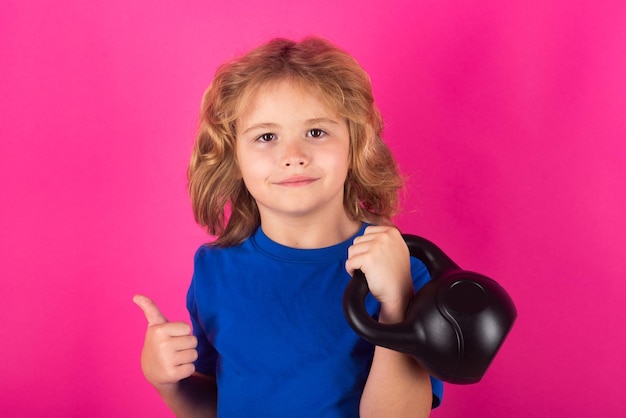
270, 326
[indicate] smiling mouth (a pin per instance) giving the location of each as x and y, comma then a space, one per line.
297, 181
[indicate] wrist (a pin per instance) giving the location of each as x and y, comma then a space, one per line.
393, 306
393, 312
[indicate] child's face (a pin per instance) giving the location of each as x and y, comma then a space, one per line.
292, 152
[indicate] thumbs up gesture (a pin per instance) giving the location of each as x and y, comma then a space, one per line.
169, 349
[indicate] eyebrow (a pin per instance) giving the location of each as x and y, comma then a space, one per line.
271, 126
322, 120
260, 126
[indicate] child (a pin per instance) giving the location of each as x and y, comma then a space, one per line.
291, 175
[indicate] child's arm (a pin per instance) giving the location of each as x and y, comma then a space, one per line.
167, 363
397, 385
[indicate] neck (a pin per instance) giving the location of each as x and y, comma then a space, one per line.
307, 234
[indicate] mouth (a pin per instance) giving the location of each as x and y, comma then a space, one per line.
296, 181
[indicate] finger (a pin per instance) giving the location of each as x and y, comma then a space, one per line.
354, 262
150, 310
186, 356
184, 370
373, 234
363, 246
181, 336
176, 334
176, 373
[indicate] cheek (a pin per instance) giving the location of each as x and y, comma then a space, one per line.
337, 167
339, 158
252, 167
244, 171
245, 163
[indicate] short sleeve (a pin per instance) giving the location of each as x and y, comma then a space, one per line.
207, 356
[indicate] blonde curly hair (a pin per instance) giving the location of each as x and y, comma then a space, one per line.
221, 203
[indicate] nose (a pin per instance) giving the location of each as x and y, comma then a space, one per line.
294, 154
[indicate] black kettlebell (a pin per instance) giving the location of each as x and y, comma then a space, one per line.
454, 325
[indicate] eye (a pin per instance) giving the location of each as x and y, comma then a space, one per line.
268, 137
316, 133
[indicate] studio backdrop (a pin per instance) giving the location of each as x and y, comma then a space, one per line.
506, 117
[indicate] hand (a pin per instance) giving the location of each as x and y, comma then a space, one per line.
169, 349
383, 256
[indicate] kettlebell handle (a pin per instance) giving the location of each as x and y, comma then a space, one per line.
432, 256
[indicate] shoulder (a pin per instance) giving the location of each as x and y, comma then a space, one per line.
211, 259
204, 251
210, 251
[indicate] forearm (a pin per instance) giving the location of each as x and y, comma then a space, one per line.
194, 396
397, 385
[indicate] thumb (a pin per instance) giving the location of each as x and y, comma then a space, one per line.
150, 310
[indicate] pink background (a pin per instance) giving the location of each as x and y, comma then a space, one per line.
509, 118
